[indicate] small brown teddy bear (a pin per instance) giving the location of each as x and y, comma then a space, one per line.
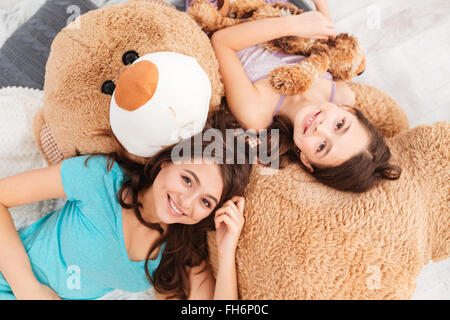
341, 56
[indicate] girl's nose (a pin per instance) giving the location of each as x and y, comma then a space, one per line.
319, 125
322, 129
187, 202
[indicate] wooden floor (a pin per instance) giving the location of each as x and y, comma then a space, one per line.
407, 46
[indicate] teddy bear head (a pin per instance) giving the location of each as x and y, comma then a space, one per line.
141, 68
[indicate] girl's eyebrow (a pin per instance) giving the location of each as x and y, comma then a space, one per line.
198, 182
329, 143
346, 129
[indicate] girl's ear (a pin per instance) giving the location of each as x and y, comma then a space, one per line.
306, 162
164, 164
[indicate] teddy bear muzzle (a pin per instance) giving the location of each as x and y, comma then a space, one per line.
136, 85
157, 99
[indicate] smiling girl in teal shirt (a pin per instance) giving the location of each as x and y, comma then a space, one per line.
96, 243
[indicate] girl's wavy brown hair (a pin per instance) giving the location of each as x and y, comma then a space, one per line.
186, 245
358, 174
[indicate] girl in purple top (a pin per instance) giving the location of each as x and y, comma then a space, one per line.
320, 129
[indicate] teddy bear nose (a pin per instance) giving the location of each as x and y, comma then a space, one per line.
136, 85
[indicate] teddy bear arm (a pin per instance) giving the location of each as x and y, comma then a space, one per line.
38, 123
426, 158
290, 45
45, 139
208, 18
297, 79
347, 57
244, 8
287, 8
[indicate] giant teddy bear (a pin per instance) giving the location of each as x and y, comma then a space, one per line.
131, 58
301, 239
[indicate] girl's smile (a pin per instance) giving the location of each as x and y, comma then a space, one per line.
173, 209
309, 119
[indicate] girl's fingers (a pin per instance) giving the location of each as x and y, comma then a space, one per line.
320, 37
240, 202
228, 221
233, 212
240, 205
331, 29
236, 198
231, 204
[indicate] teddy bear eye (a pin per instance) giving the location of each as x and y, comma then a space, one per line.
129, 57
108, 87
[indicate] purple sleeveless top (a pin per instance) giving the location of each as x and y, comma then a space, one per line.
258, 62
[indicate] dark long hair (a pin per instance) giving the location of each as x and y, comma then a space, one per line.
186, 245
358, 174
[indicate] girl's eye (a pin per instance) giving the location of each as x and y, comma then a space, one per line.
187, 180
340, 124
206, 203
321, 147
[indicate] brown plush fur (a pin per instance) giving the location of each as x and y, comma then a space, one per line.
304, 240
342, 56
81, 60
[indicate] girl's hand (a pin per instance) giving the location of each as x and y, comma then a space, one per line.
319, 2
312, 25
229, 221
322, 7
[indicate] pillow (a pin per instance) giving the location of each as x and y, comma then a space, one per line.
23, 56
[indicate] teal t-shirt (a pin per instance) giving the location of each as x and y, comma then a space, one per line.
79, 250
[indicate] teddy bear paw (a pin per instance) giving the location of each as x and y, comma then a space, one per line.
284, 81
206, 15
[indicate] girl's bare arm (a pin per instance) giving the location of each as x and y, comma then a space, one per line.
322, 7
243, 98
21, 189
